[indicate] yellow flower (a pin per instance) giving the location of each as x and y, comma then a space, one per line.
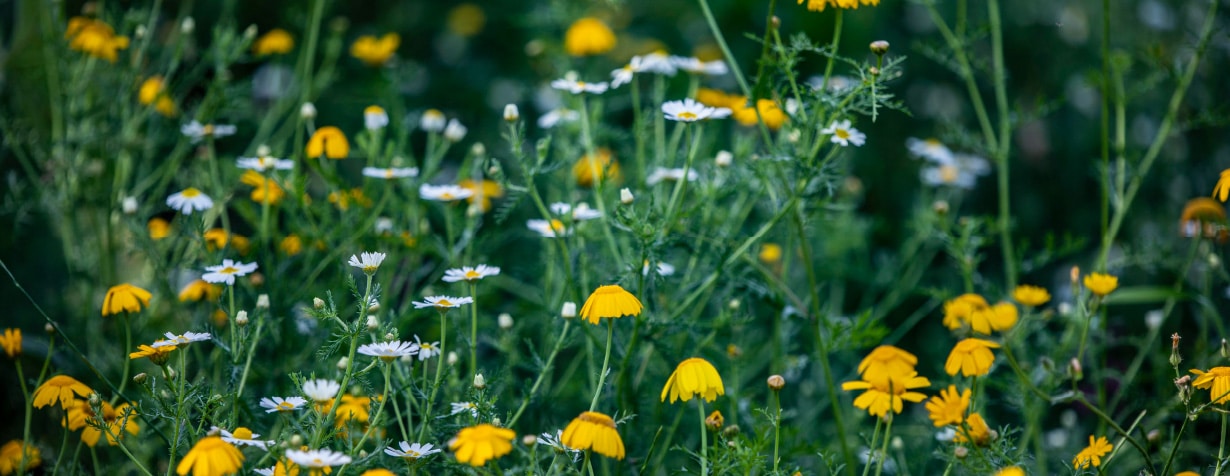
885, 363
972, 357
274, 42
1092, 454
715, 421
11, 455
466, 20
216, 239
211, 456
78, 416
95, 38
291, 245
378, 472
1017, 471
588, 36
975, 429
973, 310
266, 189
948, 408
610, 302
198, 290
1217, 380
879, 397
11, 341
1222, 189
157, 355
328, 141
477, 444
483, 192
343, 198
1203, 216
718, 98
375, 51
1185, 473
353, 408
1101, 284
596, 431
1031, 296
770, 253
601, 166
158, 228
772, 114
818, 5
153, 91
60, 389
694, 376
124, 298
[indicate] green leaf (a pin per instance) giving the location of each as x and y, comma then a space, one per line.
1142, 295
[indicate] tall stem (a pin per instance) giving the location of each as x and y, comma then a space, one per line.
606, 363
599, 180
704, 437
541, 375
435, 387
1221, 448
828, 66
777, 427
888, 431
473, 330
1004, 143
734, 66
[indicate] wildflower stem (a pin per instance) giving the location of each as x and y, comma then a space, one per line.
379, 411
474, 329
888, 431
734, 67
354, 343
440, 362
243, 377
828, 65
600, 177
704, 438
546, 368
606, 363
1178, 437
25, 432
875, 434
682, 184
777, 427
127, 362
180, 416
1221, 448
1004, 140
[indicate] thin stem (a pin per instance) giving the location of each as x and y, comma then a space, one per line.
1004, 140
888, 431
435, 387
828, 65
606, 363
25, 432
541, 375
777, 428
704, 437
127, 362
474, 329
734, 67
1221, 447
599, 180
875, 434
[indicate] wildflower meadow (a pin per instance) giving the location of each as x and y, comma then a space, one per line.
712, 237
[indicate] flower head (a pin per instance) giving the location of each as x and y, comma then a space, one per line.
443, 302
433, 120
974, 430
1032, 296
369, 262
556, 116
588, 36
548, 229
1092, 454
199, 289
596, 431
444, 193
266, 189
318, 459
660, 174
321, 390
471, 274
244, 437
693, 377
1101, 284
188, 200
688, 110
1017, 471
227, 271
610, 302
766, 110
374, 118
157, 355
844, 134
1222, 189
412, 451
282, 404
153, 92
61, 389
211, 456
1203, 216
81, 416
389, 351
427, 350
1217, 380
328, 141
124, 298
263, 163
274, 42
390, 173
197, 131
95, 38
482, 192
880, 397
375, 51
575, 86
476, 445
463, 407
959, 170
695, 65
973, 310
11, 342
158, 228
181, 339
818, 5
887, 362
948, 408
592, 168
971, 357
11, 457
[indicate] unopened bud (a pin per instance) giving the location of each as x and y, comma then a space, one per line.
478, 149
307, 111
511, 114
625, 196
250, 32
724, 158
733, 351
389, 337
776, 383
505, 320
734, 304
454, 131
187, 26
129, 205
879, 47
48, 328
715, 421
1074, 367
95, 399
342, 363
960, 452
139, 32
1225, 349
169, 374
372, 323
569, 310
479, 382
1175, 358
296, 440
874, 71
529, 440
731, 431
496, 422
775, 22
1153, 435
1074, 275
362, 454
318, 303
263, 150
241, 318
452, 358
139, 378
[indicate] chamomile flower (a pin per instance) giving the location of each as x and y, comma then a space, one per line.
454, 131
549, 229
188, 200
323, 458
462, 407
577, 87
244, 437
844, 134
581, 212
282, 404
688, 110
178, 340
262, 163
227, 271
556, 116
663, 269
622, 76
962, 171
929, 149
656, 62
444, 193
696, 66
387, 351
368, 262
321, 390
467, 273
390, 173
552, 440
674, 175
432, 120
443, 302
197, 131
427, 350
412, 451
374, 118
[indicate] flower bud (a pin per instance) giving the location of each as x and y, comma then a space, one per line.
296, 440
874, 71
715, 421
263, 150
187, 26
569, 311
776, 383
241, 318
372, 322
262, 301
362, 454
169, 374
734, 304
1225, 349
1175, 358
505, 320
48, 328
342, 363
1074, 275
529, 440
479, 382
454, 131
1074, 367
307, 111
139, 378
478, 149
731, 431
511, 114
452, 358
724, 158
879, 47
129, 205
625, 196
250, 32
389, 337
734, 351
318, 303
960, 452
139, 32
496, 422
256, 279
95, 399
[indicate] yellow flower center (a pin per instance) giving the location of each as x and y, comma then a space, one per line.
285, 406
471, 274
948, 174
229, 270
208, 130
190, 192
687, 115
444, 303
842, 133
388, 173
557, 225
447, 196
242, 433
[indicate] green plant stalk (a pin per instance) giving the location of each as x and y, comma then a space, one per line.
1125, 433
243, 377
1080, 353
704, 436
888, 431
379, 411
309, 55
541, 375
828, 65
1105, 136
1174, 447
25, 432
180, 416
127, 362
606, 363
600, 179
659, 120
328, 417
966, 72
734, 67
875, 435
435, 387
1004, 144
230, 293
1221, 448
681, 185
474, 329
118, 437
777, 428
638, 123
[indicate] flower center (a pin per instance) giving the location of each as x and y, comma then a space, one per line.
242, 433
388, 173
285, 406
557, 225
472, 274
444, 303
842, 133
190, 192
208, 129
948, 174
229, 270
446, 195
687, 115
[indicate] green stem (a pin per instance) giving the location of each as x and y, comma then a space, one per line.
127, 362
474, 330
777, 428
704, 437
180, 414
875, 434
606, 363
1105, 136
25, 432
379, 411
546, 368
1221, 448
1004, 144
599, 179
828, 65
888, 431
327, 418
734, 67
435, 387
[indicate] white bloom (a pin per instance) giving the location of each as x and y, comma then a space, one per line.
467, 273
245, 438
455, 131
375, 118
196, 131
321, 390
368, 262
656, 62
505, 320
384, 225
674, 175
577, 87
263, 163
270, 471
432, 121
961, 171
307, 111
930, 149
625, 196
227, 271
696, 66
844, 134
262, 301
549, 229
511, 113
557, 116
663, 269
281, 404
724, 158
129, 205
427, 350
322, 458
622, 76
443, 302
553, 441
581, 212
188, 200
388, 351
569, 310
411, 451
688, 110
176, 340
444, 193
460, 407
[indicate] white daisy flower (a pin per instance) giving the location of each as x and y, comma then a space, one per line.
461, 407
188, 200
443, 302
663, 269
244, 437
176, 340
321, 390
577, 87
581, 212
961, 171
455, 131
688, 110
656, 62
368, 262
930, 149
391, 172
374, 118
270, 471
660, 174
387, 351
384, 225
549, 229
837, 83
227, 271
196, 131
322, 458
622, 76
553, 441
557, 116
282, 404
444, 193
432, 121
467, 273
411, 451
844, 134
427, 350
696, 66
262, 163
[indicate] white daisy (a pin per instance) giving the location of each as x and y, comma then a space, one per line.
553, 441
660, 174
961, 171
391, 172
188, 200
411, 451
622, 76
455, 131
369, 262
930, 149
688, 110
577, 87
696, 66
557, 116
384, 225
461, 407
467, 273
387, 351
581, 212
261, 164
244, 437
321, 390
549, 229
282, 404
427, 350
196, 131
432, 121
663, 269
227, 271
844, 134
322, 458
270, 471
374, 118
176, 340
656, 62
443, 302
444, 193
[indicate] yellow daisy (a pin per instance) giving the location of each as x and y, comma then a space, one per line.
610, 302
596, 431
694, 376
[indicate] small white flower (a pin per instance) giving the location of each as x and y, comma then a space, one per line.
961, 171
374, 118
471, 274
929, 149
188, 200
460, 407
387, 351
696, 66
724, 158
263, 163
505, 320
384, 225
688, 110
321, 390
511, 113
262, 301
663, 269
196, 131
129, 205
282, 404
622, 76
227, 271
569, 310
432, 121
244, 437
549, 229
577, 87
368, 262
455, 131
177, 340
443, 302
411, 451
656, 62
557, 116
322, 458
581, 212
625, 196
307, 111
427, 350
270, 471
553, 441
844, 134
674, 175
444, 193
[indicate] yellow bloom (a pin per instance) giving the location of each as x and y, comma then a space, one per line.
948, 408
80, 415
885, 363
1092, 454
483, 192
328, 141
974, 429
353, 408
124, 298
343, 198
1101, 284
1217, 380
770, 253
1222, 189
772, 114
274, 42
974, 311
198, 290
818, 5
718, 98
291, 245
466, 20
11, 455
1185, 473
153, 91
694, 376
596, 431
715, 421
266, 189
601, 166
60, 389
610, 302
972, 357
11, 341
1203, 216
1017, 471
378, 472
878, 399
216, 239
95, 38
588, 36
158, 228
375, 51
1032, 296
211, 456
477, 444
157, 355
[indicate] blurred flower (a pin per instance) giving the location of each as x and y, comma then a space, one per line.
11, 456
464, 407
974, 311
693, 377
556, 116
158, 228
929, 149
368, 262
610, 302
961, 172
198, 289
124, 298
266, 191
818, 5
663, 269
263, 163
1031, 296
688, 110
770, 112
770, 253
328, 141
716, 98
374, 118
274, 42
948, 408
211, 456
471, 274
588, 36
157, 355
454, 131
443, 193
375, 51
1203, 216
321, 390
81, 416
280, 404
880, 397
887, 363
323, 459
844, 134
61, 389
244, 437
660, 174
95, 38
696, 66
971, 357
427, 350
188, 200
974, 430
549, 229
1217, 380
581, 212
466, 20
432, 120
1222, 189
715, 421
411, 452
477, 444
600, 166
291, 245
1101, 284
181, 339
594, 431
153, 91
390, 173
197, 131
389, 351
353, 408
227, 271
443, 302
511, 113
344, 198
577, 87
1017, 471
482, 192
1092, 454
11, 342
